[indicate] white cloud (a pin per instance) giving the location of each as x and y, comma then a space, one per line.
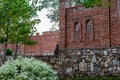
45, 23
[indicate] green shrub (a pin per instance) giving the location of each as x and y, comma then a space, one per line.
9, 52
26, 69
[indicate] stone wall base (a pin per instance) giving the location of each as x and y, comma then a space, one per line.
85, 62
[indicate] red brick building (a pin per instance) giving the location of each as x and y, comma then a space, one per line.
96, 27
45, 44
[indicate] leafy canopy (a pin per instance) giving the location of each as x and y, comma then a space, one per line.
21, 16
52, 6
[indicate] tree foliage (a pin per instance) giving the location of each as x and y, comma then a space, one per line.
17, 20
53, 28
52, 6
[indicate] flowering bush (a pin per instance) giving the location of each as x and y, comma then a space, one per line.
26, 69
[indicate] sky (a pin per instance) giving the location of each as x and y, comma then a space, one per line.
45, 23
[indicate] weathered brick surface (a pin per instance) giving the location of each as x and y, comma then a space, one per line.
115, 23
37, 48
62, 15
49, 41
106, 28
45, 44
106, 25
101, 29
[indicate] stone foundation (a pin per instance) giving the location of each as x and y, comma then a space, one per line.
86, 62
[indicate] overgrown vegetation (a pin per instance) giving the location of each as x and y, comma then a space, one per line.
26, 69
17, 21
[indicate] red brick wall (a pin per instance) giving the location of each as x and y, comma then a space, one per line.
35, 48
115, 23
1, 47
10, 46
49, 41
45, 43
80, 14
106, 26
99, 16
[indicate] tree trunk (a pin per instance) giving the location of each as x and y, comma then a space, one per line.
16, 50
24, 48
6, 40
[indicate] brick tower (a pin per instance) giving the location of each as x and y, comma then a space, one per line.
81, 27
62, 14
115, 22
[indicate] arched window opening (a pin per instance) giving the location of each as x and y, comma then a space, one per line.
77, 32
89, 30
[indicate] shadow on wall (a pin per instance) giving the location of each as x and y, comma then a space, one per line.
56, 50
